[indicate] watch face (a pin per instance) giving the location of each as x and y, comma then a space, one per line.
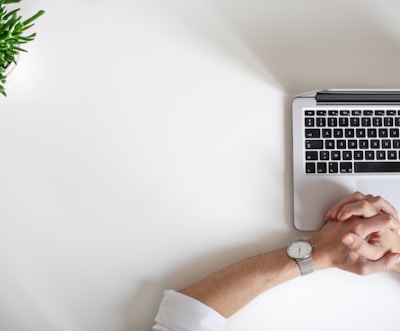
299, 249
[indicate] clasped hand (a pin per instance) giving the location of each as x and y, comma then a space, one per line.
368, 229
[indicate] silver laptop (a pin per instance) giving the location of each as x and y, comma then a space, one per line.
343, 141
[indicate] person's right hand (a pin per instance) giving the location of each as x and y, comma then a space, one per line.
358, 204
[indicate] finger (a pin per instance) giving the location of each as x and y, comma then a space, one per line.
378, 223
386, 263
361, 247
357, 205
332, 213
383, 205
361, 208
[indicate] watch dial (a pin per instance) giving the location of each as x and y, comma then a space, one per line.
299, 249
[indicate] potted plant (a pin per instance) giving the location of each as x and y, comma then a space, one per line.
12, 36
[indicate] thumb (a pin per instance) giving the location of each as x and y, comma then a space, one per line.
357, 244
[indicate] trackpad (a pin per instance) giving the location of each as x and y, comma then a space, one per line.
389, 189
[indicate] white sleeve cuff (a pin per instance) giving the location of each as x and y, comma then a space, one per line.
181, 312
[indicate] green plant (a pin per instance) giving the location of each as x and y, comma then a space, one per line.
12, 36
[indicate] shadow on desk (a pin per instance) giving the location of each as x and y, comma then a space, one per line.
315, 45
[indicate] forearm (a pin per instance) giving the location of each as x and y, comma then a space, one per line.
230, 289
233, 287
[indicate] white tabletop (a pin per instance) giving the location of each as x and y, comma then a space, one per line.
145, 144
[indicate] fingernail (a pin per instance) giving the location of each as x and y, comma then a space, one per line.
348, 240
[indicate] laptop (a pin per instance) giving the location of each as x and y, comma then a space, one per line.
343, 141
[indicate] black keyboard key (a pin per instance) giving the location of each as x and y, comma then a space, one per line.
309, 122
394, 133
376, 166
310, 168
341, 144
352, 144
366, 121
391, 112
333, 113
375, 143
345, 113
379, 112
388, 121
347, 155
321, 167
329, 144
343, 121
380, 155
360, 133
396, 143
321, 121
311, 155
377, 121
338, 133
324, 155
392, 155
354, 121
314, 144
309, 112
383, 133
346, 167
313, 133
371, 133
368, 112
321, 112
363, 144
369, 155
358, 155
386, 143
397, 121
349, 133
333, 167
356, 112
332, 121
335, 155
327, 133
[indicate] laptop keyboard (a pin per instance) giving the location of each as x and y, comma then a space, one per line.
346, 141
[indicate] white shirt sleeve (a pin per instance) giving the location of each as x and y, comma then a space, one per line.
179, 312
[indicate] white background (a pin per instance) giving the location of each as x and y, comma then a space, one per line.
145, 144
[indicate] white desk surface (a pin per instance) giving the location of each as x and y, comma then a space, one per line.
145, 144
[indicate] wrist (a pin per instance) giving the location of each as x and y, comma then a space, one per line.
321, 256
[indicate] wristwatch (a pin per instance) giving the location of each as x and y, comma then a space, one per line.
300, 251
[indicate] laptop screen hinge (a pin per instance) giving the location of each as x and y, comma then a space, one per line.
358, 97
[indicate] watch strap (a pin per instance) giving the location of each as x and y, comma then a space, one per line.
305, 265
